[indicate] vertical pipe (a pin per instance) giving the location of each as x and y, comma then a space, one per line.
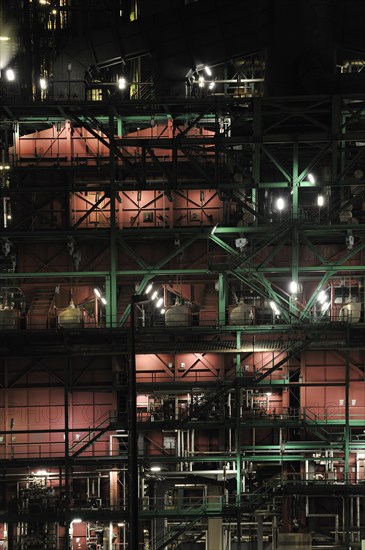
11, 536
238, 355
358, 518
238, 461
260, 533
256, 154
133, 533
110, 535
177, 443
182, 443
351, 503
347, 448
111, 317
67, 458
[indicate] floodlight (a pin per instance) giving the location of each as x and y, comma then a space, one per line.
10, 75
280, 204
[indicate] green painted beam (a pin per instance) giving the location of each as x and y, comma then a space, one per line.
222, 299
264, 289
314, 296
278, 165
295, 181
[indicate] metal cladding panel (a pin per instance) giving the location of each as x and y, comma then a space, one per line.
188, 366
69, 144
35, 421
59, 146
329, 401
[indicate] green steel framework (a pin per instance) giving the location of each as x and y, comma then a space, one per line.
280, 141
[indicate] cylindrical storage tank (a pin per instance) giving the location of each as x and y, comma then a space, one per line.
350, 313
9, 319
70, 317
242, 314
178, 315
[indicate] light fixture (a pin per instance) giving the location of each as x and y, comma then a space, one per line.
121, 524
280, 204
201, 81
311, 178
211, 85
208, 70
149, 288
41, 473
163, 311
155, 469
275, 308
322, 297
293, 287
43, 83
320, 200
214, 228
268, 393
122, 83
100, 296
10, 75
54, 12
76, 520
159, 302
154, 295
4, 38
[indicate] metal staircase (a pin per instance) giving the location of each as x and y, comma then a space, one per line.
165, 539
262, 497
94, 433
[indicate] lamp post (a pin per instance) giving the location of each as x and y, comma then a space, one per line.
133, 511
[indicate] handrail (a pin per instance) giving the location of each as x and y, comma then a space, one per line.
109, 415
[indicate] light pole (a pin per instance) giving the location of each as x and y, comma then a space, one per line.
133, 508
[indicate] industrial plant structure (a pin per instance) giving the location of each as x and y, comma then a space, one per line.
182, 273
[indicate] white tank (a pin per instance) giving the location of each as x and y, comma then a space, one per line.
178, 315
242, 314
350, 313
70, 317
